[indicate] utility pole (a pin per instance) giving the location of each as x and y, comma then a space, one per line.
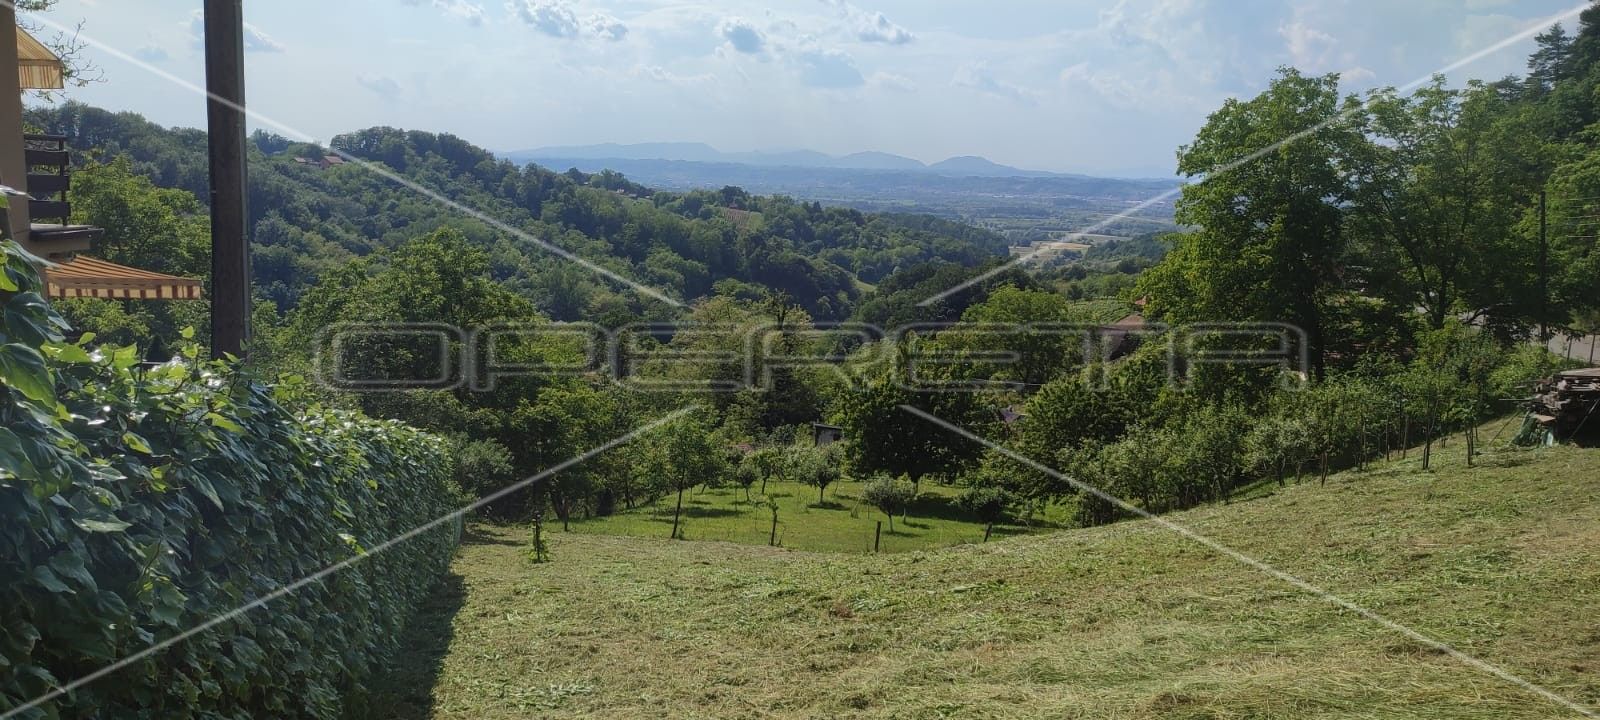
1544, 273
225, 123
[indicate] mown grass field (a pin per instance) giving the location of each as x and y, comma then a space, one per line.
1501, 561
839, 522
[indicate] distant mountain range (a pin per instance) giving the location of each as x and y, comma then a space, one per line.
964, 166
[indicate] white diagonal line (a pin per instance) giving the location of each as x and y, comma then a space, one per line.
1252, 562
1225, 168
377, 168
342, 564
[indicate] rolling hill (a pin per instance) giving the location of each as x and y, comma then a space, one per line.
1125, 621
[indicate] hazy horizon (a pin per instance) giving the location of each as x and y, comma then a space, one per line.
1109, 87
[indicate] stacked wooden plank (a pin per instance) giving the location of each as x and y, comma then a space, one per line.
1565, 401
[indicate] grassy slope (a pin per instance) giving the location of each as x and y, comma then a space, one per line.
1127, 621
841, 524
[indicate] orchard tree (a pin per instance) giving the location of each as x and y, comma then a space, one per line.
889, 496
682, 455
819, 468
989, 504
885, 438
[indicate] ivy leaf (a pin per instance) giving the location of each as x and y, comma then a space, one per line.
101, 526
6, 283
199, 482
224, 423
138, 444
68, 354
30, 318
69, 565
125, 357
13, 457
22, 368
45, 578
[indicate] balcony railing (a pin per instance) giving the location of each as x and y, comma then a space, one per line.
49, 178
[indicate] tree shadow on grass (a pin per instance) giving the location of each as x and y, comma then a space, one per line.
405, 690
471, 535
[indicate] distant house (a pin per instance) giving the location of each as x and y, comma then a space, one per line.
1122, 336
825, 435
324, 162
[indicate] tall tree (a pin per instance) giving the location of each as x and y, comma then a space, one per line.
1438, 191
1268, 214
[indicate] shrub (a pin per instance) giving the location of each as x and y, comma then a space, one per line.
989, 504
136, 504
483, 467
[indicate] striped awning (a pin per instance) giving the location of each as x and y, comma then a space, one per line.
86, 277
37, 67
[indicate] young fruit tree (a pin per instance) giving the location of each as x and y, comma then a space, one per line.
988, 504
888, 495
682, 455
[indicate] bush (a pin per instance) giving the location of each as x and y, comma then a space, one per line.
136, 504
989, 504
484, 467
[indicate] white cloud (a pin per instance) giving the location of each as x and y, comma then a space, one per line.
463, 9
831, 69
557, 18
743, 35
873, 27
606, 27
892, 82
254, 39
978, 76
381, 85
151, 53
663, 75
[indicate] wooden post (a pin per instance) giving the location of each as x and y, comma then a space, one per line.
877, 537
225, 122
13, 167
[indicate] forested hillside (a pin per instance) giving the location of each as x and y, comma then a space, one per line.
309, 218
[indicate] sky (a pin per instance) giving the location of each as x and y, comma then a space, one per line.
1101, 86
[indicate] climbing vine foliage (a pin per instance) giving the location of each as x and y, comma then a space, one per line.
137, 502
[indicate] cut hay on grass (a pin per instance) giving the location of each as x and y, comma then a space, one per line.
1501, 562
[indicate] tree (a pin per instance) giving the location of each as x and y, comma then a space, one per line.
684, 454
889, 496
1437, 193
989, 504
745, 475
817, 467
1552, 60
767, 462
1269, 217
885, 438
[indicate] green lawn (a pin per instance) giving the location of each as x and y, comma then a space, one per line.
1501, 561
839, 523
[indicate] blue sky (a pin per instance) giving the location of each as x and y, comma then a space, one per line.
1107, 86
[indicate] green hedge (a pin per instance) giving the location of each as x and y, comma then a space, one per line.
136, 503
